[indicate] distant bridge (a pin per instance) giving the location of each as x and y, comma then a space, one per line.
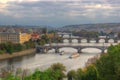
70, 38
89, 40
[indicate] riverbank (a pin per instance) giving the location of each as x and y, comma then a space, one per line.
17, 54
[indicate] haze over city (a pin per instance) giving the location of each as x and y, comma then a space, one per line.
58, 12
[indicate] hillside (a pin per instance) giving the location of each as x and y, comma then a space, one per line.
115, 27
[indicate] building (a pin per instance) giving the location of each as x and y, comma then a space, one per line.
23, 37
14, 37
35, 36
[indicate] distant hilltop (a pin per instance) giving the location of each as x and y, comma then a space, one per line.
24, 29
115, 27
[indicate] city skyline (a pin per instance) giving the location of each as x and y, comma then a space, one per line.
58, 12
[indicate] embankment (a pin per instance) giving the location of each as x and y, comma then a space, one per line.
17, 54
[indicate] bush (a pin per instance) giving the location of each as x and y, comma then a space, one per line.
1, 51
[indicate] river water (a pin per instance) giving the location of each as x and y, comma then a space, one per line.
43, 61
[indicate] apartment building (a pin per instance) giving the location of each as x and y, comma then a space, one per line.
14, 37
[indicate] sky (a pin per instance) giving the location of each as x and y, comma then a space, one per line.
58, 13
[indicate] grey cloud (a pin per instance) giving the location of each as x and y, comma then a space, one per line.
62, 11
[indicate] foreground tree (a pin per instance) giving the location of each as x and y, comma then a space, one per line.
90, 73
79, 74
71, 75
108, 65
59, 69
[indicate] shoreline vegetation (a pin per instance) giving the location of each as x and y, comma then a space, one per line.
10, 50
11, 47
17, 54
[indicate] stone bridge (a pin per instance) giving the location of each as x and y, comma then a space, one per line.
46, 48
88, 40
70, 38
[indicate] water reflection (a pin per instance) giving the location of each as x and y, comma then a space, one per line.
17, 61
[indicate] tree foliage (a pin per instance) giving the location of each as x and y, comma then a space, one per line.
10, 47
105, 68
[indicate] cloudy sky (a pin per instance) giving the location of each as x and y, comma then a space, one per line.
58, 12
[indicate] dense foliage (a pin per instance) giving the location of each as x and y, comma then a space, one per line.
105, 68
10, 47
55, 72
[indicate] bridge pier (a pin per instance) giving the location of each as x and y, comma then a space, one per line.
79, 40
57, 50
106, 40
88, 40
61, 41
40, 50
70, 41
115, 40
62, 35
97, 40
79, 50
70, 35
103, 51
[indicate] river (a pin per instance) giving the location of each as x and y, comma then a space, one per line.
43, 61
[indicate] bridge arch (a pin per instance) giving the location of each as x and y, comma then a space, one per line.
118, 41
91, 50
92, 41
51, 50
106, 50
74, 40
68, 49
111, 41
101, 41
65, 40
83, 40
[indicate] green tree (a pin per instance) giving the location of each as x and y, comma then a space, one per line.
79, 74
91, 73
17, 47
9, 48
71, 75
45, 37
108, 64
42, 42
11, 77
59, 69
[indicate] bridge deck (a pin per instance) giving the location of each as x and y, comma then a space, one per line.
81, 44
